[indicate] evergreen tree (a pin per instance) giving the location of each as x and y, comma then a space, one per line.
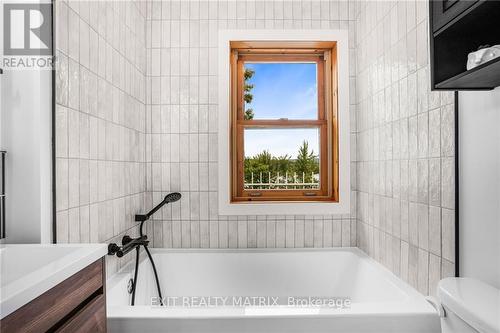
247, 96
306, 162
249, 114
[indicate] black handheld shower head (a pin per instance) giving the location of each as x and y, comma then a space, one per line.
169, 198
172, 197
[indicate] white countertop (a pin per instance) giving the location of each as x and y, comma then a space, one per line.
29, 270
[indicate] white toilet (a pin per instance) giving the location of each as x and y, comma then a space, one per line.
470, 306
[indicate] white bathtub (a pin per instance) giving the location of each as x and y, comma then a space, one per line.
380, 302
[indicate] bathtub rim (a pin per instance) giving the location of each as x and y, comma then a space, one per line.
414, 304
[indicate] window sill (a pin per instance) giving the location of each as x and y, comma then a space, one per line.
285, 208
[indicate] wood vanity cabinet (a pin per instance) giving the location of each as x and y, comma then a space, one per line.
78, 304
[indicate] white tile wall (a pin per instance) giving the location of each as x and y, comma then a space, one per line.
181, 139
405, 146
136, 118
100, 119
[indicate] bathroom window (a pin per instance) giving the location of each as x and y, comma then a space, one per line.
284, 139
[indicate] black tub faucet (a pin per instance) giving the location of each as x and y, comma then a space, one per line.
128, 244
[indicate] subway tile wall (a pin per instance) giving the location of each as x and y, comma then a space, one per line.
136, 118
405, 146
100, 119
181, 123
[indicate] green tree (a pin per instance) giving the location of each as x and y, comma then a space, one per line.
306, 163
264, 163
257, 164
283, 164
264, 158
249, 114
247, 96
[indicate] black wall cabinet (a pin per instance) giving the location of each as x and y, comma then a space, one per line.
458, 27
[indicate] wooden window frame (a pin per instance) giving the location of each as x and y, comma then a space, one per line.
325, 56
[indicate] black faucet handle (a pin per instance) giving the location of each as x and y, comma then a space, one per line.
141, 217
126, 239
113, 249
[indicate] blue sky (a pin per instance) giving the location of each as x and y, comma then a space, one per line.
280, 141
282, 91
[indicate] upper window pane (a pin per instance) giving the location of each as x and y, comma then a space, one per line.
281, 90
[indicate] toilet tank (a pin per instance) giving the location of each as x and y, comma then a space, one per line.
470, 306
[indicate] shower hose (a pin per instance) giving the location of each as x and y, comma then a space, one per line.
136, 270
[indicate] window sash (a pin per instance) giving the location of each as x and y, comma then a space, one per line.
318, 59
326, 192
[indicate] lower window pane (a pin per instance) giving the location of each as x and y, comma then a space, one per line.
281, 159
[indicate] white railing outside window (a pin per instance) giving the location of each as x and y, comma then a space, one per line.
287, 181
